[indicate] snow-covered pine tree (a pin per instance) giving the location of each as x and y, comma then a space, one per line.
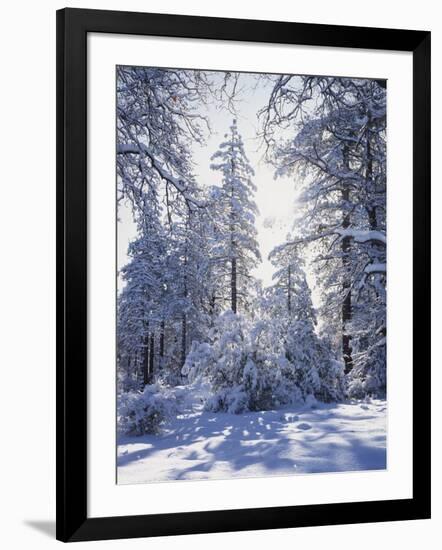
191, 281
234, 217
289, 303
290, 281
142, 303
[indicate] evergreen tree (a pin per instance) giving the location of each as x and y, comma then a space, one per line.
289, 305
234, 216
143, 302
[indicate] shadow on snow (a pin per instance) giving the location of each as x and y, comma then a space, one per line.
312, 441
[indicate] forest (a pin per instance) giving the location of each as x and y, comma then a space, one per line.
199, 332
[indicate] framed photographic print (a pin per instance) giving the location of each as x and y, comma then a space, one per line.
230, 196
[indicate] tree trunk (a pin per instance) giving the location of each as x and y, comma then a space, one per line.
346, 310
132, 374
233, 286
183, 339
212, 304
184, 317
151, 356
372, 217
289, 290
146, 360
233, 281
346, 285
161, 352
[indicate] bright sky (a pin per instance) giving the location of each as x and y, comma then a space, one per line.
275, 198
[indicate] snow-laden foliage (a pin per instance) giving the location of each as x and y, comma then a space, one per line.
156, 124
329, 134
143, 412
289, 304
263, 364
368, 377
244, 368
190, 307
235, 248
164, 303
142, 303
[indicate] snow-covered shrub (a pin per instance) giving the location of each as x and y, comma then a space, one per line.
264, 364
170, 376
368, 376
275, 380
221, 362
143, 412
127, 381
232, 400
317, 371
245, 366
330, 372
301, 348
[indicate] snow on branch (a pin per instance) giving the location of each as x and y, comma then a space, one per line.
357, 235
375, 268
361, 236
137, 149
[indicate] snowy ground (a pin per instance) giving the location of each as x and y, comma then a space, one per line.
204, 445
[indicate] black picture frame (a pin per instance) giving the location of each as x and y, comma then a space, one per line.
73, 25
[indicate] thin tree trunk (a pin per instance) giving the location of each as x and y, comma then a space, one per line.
233, 278
184, 317
372, 215
151, 356
183, 338
146, 359
212, 303
346, 304
289, 290
162, 337
233, 286
131, 374
346, 310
